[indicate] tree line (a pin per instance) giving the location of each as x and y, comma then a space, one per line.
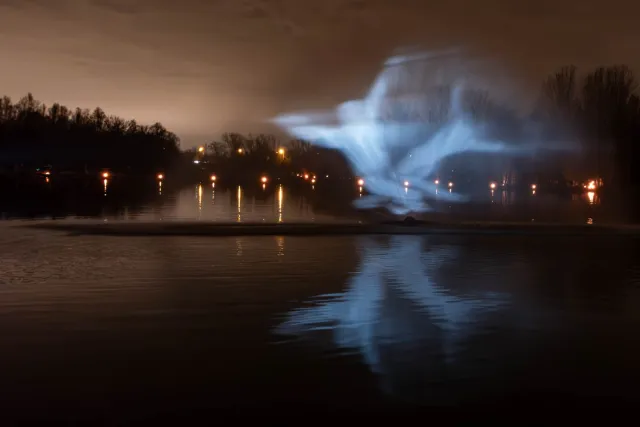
33, 135
602, 108
237, 155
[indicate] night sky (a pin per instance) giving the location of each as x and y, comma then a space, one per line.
204, 67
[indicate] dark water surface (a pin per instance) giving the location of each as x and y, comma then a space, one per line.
121, 329
277, 203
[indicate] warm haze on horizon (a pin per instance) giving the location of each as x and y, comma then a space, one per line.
203, 68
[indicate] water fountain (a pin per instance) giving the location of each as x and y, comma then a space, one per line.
418, 112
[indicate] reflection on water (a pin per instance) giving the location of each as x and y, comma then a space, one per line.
267, 202
99, 325
280, 200
237, 204
395, 300
438, 319
239, 201
199, 201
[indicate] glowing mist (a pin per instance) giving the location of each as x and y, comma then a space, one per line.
389, 152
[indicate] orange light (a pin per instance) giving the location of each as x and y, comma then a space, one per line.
160, 176
47, 173
450, 184
281, 151
591, 185
105, 175
306, 176
263, 179
313, 180
201, 149
492, 185
361, 182
213, 177
534, 186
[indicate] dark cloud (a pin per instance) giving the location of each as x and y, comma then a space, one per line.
202, 66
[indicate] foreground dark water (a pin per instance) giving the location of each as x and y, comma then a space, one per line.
123, 329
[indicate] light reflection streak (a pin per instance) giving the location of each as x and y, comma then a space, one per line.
105, 184
280, 200
381, 150
368, 317
239, 200
280, 244
199, 201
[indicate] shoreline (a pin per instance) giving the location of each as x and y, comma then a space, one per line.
199, 228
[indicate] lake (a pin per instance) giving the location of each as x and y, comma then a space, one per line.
122, 329
117, 330
273, 202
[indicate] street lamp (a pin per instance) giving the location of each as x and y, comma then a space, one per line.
281, 151
201, 149
160, 177
240, 151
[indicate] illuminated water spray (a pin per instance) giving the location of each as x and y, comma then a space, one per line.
388, 147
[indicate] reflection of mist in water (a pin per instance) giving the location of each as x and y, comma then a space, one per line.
419, 112
393, 312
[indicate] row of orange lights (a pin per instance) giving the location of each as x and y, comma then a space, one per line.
107, 175
492, 185
241, 150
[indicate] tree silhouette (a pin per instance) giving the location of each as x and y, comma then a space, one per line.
605, 108
33, 135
